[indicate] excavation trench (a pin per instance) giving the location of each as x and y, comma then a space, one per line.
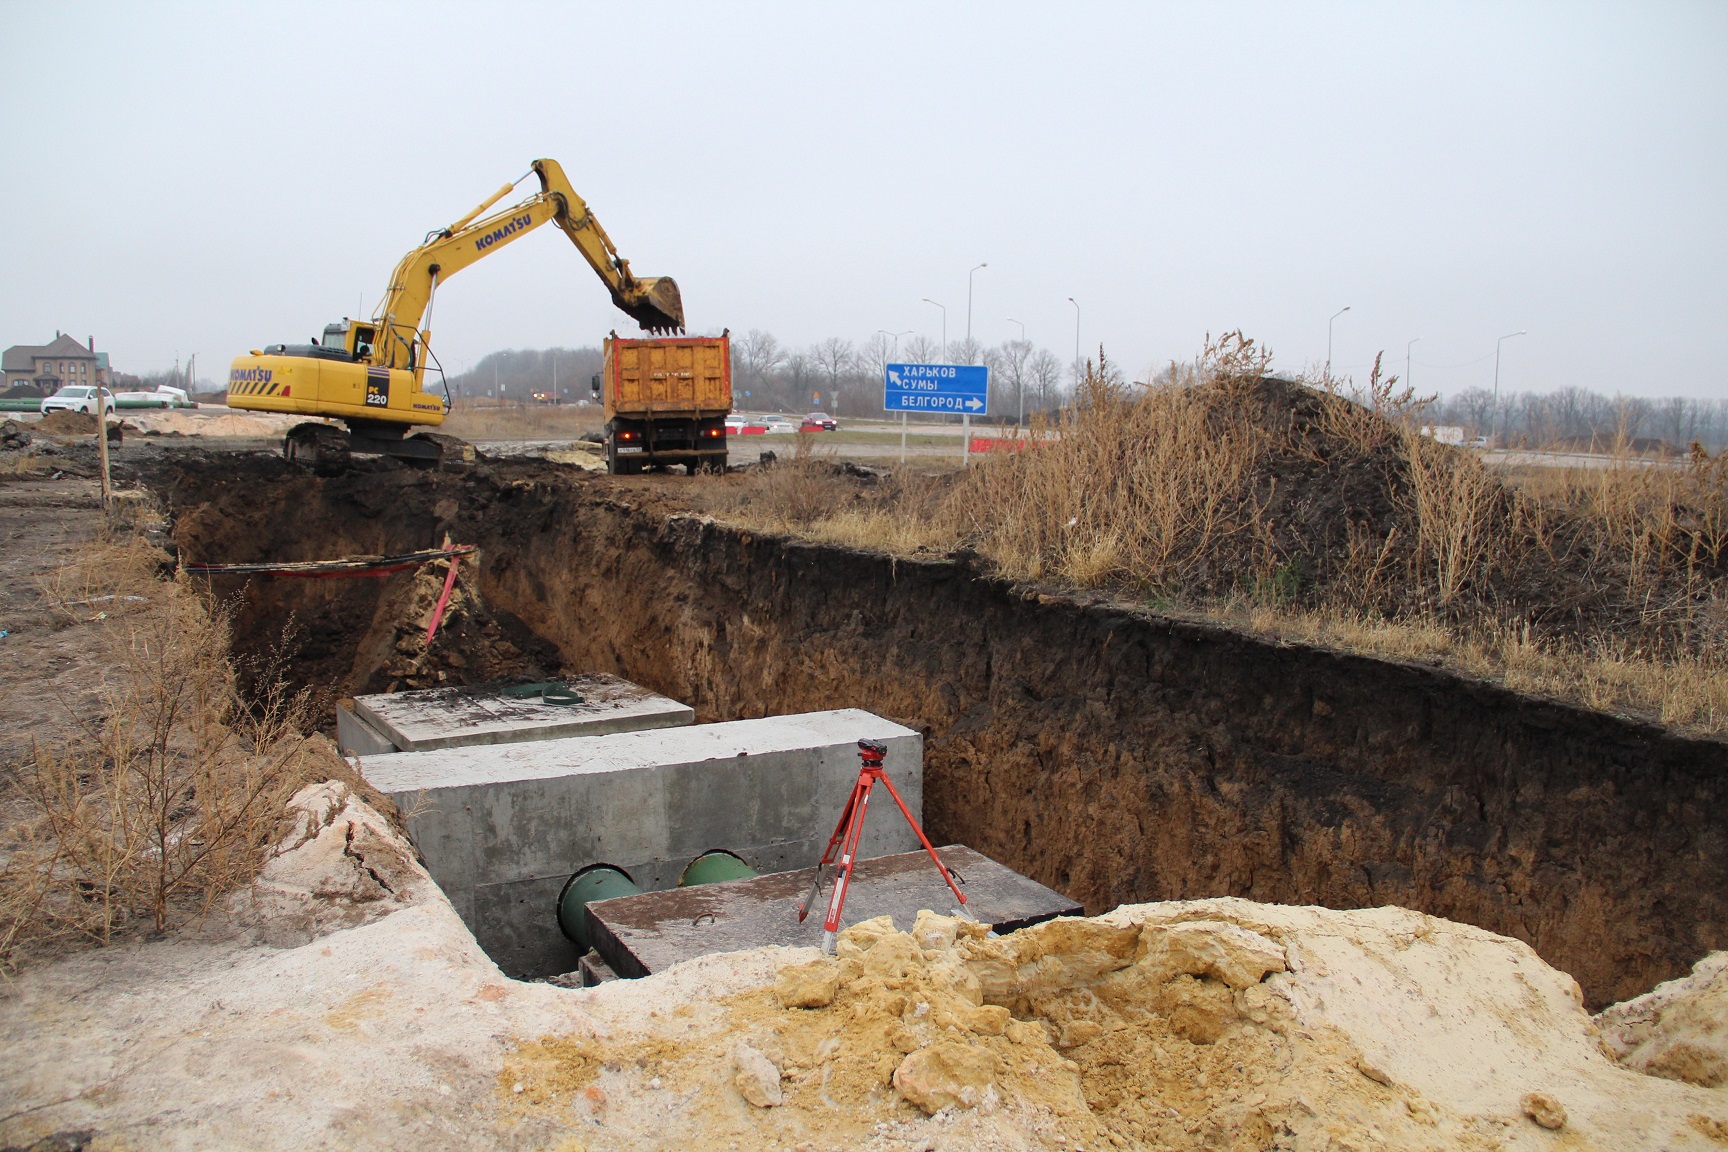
1114, 755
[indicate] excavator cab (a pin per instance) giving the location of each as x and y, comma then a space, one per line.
355, 339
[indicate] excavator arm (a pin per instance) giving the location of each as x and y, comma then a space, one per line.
654, 302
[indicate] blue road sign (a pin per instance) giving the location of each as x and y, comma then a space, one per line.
960, 389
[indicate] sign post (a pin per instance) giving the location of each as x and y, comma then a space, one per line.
962, 389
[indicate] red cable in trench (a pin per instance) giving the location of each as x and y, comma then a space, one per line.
444, 599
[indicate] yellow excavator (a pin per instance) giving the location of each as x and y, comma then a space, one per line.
371, 375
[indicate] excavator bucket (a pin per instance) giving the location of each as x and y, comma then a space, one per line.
656, 305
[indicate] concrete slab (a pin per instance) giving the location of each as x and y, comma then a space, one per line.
637, 935
462, 717
355, 737
503, 826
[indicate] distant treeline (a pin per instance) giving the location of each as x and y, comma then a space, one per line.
1578, 417
845, 378
836, 375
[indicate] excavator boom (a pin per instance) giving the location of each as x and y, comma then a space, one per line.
654, 303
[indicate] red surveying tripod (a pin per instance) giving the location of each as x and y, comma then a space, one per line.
847, 834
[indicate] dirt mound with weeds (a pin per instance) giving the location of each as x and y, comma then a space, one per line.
60, 422
472, 644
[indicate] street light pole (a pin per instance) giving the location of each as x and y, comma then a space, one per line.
1020, 380
969, 276
1407, 348
927, 300
1497, 344
1076, 304
894, 336
895, 355
1335, 316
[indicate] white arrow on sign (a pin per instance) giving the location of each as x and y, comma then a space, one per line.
893, 377
974, 404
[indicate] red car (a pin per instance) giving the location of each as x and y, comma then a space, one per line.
819, 422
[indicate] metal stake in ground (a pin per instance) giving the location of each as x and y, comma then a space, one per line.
102, 441
850, 830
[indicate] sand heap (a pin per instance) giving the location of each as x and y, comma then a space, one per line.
348, 1007
1678, 1030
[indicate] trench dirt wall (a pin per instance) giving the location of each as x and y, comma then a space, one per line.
1116, 755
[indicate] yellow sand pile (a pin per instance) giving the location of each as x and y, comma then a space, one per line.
354, 1010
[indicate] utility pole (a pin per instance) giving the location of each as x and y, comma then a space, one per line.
1407, 348
895, 355
1020, 381
1497, 344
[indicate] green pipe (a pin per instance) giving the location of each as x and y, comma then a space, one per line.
595, 882
713, 867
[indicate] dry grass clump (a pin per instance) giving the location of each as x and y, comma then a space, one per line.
808, 494
1317, 510
476, 421
142, 813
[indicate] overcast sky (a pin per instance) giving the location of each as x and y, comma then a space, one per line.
208, 179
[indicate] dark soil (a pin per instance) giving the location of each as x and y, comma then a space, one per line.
1114, 754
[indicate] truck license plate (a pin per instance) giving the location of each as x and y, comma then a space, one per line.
623, 451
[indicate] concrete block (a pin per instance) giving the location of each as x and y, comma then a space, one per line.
639, 935
503, 826
355, 737
460, 717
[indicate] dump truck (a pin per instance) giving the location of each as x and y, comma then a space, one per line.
666, 401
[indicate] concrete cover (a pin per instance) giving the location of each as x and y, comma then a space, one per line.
503, 826
638, 935
357, 738
457, 717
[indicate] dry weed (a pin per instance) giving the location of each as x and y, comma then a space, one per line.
1319, 509
475, 421
171, 793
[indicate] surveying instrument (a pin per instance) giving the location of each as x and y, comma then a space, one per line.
849, 831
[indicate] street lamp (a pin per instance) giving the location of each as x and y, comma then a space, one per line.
1011, 320
1335, 316
1407, 348
969, 276
894, 336
1497, 344
927, 300
1076, 304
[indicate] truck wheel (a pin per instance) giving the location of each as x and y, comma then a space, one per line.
620, 467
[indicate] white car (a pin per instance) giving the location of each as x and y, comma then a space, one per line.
1480, 442
76, 398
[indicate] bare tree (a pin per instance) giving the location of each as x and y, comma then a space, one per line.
922, 350
1676, 419
1012, 362
801, 373
1475, 407
875, 356
834, 357
965, 350
1044, 373
760, 354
